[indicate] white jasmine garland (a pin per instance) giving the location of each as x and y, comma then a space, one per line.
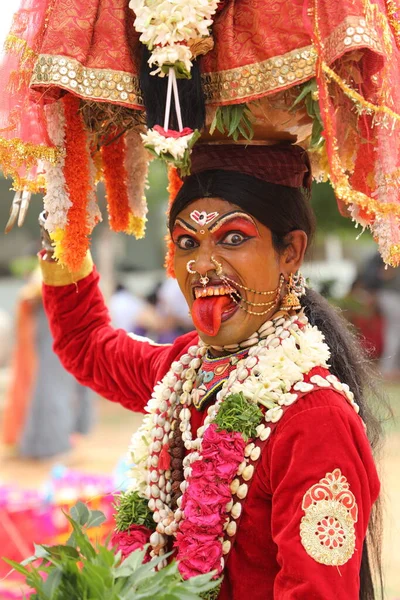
278, 369
56, 200
167, 24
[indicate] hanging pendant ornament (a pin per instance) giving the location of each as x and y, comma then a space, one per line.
296, 288
204, 280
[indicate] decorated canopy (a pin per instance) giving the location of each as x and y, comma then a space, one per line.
93, 88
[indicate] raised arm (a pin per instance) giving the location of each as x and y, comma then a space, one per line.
108, 360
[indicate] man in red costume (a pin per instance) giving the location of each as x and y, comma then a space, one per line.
290, 521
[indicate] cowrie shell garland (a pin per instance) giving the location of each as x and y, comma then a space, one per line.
290, 348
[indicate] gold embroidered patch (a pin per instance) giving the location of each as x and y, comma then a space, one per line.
327, 529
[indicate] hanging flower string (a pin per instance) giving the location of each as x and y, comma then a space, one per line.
72, 243
115, 179
204, 502
56, 200
167, 28
137, 166
174, 185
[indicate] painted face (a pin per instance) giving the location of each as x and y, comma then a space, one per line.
243, 246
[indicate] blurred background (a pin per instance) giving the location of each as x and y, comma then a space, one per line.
59, 442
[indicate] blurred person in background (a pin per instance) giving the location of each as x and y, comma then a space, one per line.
140, 316
125, 308
46, 409
171, 304
384, 283
360, 307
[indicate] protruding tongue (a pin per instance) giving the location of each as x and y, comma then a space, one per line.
207, 313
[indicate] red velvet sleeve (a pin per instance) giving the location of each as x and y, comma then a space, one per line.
108, 360
325, 435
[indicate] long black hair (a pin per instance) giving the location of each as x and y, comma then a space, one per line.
284, 209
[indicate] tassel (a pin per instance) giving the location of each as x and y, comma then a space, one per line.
174, 185
164, 460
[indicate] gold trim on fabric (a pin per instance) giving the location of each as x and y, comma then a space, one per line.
257, 79
353, 33
16, 45
286, 70
56, 275
108, 85
222, 87
14, 154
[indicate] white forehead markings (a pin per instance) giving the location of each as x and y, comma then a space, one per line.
203, 217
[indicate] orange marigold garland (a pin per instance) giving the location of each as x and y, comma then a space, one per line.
174, 185
75, 239
115, 179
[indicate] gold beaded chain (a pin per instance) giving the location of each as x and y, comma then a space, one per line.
243, 287
270, 304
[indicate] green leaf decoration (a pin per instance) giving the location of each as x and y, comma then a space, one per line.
308, 96
239, 414
80, 571
234, 120
132, 509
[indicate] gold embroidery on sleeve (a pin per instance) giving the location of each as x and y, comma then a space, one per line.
327, 529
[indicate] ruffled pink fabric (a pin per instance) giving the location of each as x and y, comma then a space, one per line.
21, 115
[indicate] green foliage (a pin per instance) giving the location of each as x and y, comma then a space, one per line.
238, 414
80, 571
309, 95
234, 120
132, 509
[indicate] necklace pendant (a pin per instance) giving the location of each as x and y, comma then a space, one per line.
204, 280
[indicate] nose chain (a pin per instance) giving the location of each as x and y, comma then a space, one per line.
269, 305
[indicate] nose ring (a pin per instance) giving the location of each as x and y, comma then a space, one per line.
189, 267
203, 278
218, 265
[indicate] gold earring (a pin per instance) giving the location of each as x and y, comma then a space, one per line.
218, 265
295, 289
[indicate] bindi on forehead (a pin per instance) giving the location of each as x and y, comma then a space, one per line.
202, 217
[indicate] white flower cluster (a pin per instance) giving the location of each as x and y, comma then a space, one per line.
56, 200
169, 24
278, 369
170, 55
161, 145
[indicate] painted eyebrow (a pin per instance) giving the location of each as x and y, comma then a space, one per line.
185, 225
228, 217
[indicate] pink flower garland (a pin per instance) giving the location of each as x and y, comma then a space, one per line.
199, 541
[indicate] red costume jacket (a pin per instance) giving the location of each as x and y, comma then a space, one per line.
318, 435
